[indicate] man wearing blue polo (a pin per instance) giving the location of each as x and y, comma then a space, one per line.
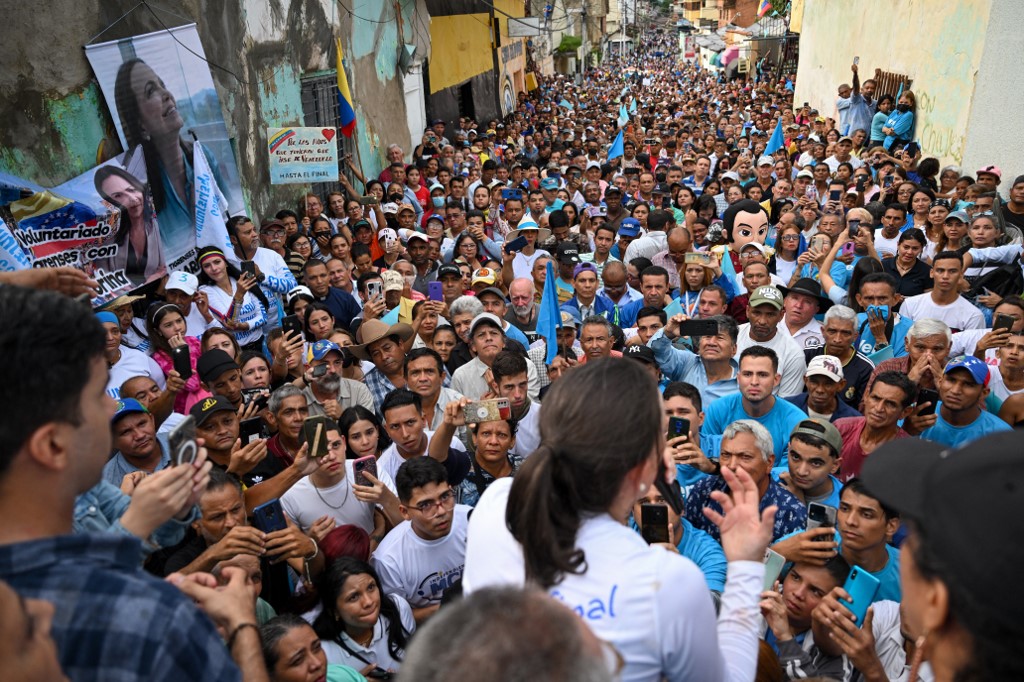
712, 370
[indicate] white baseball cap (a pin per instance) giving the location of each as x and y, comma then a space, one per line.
183, 281
825, 365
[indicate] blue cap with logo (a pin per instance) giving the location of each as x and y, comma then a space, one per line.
320, 349
549, 183
977, 368
629, 227
126, 406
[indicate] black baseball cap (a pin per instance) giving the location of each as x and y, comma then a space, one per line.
641, 353
206, 407
568, 252
448, 271
213, 363
942, 490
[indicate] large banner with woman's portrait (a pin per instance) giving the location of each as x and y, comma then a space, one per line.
166, 110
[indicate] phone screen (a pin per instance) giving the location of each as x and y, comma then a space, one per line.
182, 361
654, 523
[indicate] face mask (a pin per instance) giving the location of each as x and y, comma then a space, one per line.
437, 201
903, 108
395, 198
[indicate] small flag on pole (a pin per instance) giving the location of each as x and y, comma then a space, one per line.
549, 317
776, 141
615, 150
763, 8
346, 112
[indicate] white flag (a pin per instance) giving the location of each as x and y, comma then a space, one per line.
211, 207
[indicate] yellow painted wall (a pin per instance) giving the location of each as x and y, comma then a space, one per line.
796, 16
938, 44
460, 49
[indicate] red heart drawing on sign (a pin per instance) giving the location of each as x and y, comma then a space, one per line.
328, 133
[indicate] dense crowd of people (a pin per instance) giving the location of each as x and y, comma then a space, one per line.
734, 375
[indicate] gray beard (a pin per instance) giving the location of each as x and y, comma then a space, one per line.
522, 311
329, 384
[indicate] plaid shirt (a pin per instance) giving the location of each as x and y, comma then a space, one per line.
379, 386
114, 622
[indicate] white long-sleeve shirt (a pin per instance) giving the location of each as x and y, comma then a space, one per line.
653, 605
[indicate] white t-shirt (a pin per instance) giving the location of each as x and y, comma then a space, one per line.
966, 341
421, 570
653, 605
528, 432
195, 324
959, 314
522, 265
792, 364
377, 652
390, 459
998, 388
133, 363
304, 503
885, 246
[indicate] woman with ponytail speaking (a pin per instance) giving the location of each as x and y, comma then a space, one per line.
560, 524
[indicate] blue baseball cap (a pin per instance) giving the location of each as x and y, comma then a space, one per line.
126, 406
320, 349
629, 227
549, 183
977, 368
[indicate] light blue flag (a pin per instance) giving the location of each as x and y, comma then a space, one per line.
632, 106
623, 116
776, 141
549, 318
615, 150
727, 267
565, 104
899, 92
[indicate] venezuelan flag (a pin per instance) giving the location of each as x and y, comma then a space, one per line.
346, 111
763, 8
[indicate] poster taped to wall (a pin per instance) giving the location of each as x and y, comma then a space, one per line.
302, 155
163, 102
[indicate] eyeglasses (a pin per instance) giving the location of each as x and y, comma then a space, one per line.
431, 508
790, 238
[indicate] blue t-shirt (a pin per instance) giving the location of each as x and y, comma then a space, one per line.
866, 342
780, 421
888, 577
947, 434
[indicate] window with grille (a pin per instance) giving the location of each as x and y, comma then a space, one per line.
320, 108
888, 82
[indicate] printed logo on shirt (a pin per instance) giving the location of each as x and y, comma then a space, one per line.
433, 586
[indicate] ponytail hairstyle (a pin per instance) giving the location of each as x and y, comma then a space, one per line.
580, 465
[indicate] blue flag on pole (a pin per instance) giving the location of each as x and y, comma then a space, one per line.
565, 104
615, 150
776, 141
549, 318
632, 106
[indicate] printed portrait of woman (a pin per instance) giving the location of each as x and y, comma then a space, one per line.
139, 251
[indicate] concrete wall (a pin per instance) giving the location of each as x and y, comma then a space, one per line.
56, 125
997, 112
938, 44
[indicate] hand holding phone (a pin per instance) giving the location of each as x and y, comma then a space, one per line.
861, 586
182, 361
362, 466
269, 517
435, 291
182, 441
654, 523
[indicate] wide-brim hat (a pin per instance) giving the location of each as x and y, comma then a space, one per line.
808, 287
543, 233
372, 331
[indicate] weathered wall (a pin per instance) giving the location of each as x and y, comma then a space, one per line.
938, 44
996, 112
55, 124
